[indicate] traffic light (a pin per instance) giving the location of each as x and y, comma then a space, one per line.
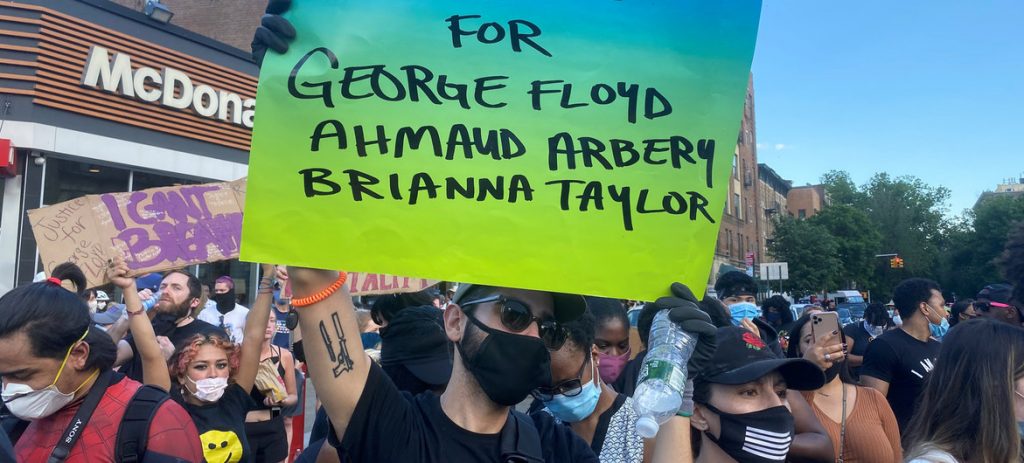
896, 262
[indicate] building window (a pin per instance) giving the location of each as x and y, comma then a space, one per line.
145, 180
734, 173
67, 180
802, 213
737, 208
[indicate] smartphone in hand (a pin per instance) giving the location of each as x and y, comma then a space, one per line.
823, 324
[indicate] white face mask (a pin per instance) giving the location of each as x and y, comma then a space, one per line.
31, 404
874, 331
209, 389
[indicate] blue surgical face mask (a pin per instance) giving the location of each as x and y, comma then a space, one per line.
938, 330
576, 408
741, 310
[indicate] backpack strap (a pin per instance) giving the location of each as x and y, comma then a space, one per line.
133, 431
520, 440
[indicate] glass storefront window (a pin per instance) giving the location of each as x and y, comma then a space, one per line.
66, 180
144, 180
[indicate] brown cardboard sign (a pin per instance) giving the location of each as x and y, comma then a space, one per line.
162, 229
155, 229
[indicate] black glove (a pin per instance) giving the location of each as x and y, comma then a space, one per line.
274, 32
685, 312
713, 307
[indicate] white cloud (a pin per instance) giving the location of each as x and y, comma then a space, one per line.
759, 146
780, 147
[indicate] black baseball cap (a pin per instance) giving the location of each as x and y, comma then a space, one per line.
568, 307
415, 339
998, 295
735, 283
742, 357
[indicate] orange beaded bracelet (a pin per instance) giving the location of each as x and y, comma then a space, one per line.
318, 297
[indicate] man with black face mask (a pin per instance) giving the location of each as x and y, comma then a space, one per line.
501, 339
172, 321
225, 311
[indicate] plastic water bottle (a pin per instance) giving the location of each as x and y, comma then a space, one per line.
659, 390
149, 303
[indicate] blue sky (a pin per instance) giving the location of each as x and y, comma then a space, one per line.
931, 88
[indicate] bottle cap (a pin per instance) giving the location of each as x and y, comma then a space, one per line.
647, 427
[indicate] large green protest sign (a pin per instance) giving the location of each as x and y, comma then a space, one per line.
581, 147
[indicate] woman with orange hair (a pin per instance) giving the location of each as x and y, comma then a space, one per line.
214, 377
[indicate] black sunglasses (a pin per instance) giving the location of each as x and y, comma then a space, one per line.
516, 316
568, 388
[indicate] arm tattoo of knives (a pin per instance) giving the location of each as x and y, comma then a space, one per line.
339, 356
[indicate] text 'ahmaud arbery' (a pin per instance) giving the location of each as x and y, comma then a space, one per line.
458, 142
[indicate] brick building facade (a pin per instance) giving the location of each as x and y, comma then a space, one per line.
738, 237
772, 191
230, 21
805, 201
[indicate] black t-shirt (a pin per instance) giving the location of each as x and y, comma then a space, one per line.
861, 338
392, 426
133, 368
905, 363
221, 425
310, 453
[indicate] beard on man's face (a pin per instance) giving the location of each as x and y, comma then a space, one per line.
168, 307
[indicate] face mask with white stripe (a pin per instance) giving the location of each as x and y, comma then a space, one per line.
757, 437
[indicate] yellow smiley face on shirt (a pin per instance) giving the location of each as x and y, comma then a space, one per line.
221, 446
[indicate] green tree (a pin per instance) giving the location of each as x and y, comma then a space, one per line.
975, 242
841, 189
812, 254
909, 216
857, 243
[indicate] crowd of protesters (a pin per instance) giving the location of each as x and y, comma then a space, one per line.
448, 380
178, 373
